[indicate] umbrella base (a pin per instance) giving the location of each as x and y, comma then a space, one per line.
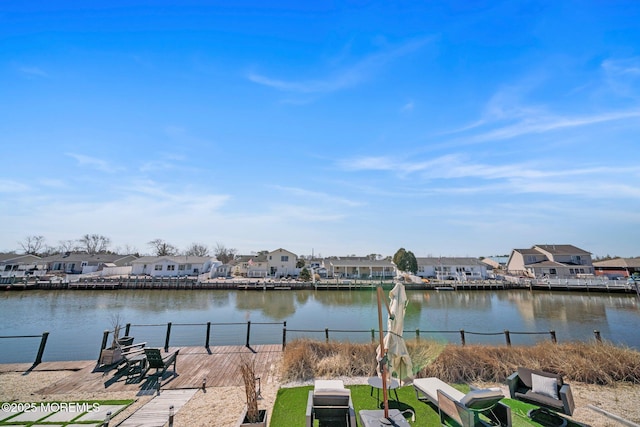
375, 418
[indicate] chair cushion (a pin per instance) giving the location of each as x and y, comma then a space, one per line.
545, 386
328, 385
482, 399
540, 399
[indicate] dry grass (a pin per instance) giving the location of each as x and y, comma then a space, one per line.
591, 363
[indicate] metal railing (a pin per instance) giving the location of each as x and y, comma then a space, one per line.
43, 343
327, 333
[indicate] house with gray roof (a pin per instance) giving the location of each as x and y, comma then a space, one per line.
617, 267
173, 266
359, 268
550, 261
451, 268
14, 265
82, 262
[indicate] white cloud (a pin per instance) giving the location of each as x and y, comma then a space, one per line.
317, 197
342, 78
11, 186
93, 163
33, 71
409, 106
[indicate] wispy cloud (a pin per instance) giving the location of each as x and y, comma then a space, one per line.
33, 71
541, 124
317, 196
623, 76
92, 162
342, 78
409, 106
10, 186
458, 174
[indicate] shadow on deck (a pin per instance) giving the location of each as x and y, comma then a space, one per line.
218, 366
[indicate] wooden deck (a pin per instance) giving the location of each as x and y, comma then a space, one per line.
218, 365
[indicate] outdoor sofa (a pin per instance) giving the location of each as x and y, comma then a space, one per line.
542, 388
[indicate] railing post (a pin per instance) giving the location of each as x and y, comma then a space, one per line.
507, 336
105, 338
166, 340
373, 335
417, 334
171, 416
248, 333
206, 343
127, 328
462, 337
597, 334
284, 336
326, 334
43, 343
553, 336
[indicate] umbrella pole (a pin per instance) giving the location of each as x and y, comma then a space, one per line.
385, 396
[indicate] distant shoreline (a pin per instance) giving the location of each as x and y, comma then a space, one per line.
261, 284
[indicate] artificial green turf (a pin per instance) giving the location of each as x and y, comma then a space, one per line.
291, 405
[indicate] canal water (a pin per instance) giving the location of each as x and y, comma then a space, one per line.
76, 320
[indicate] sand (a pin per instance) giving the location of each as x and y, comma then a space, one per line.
226, 404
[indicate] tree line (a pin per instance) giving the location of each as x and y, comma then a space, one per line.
97, 244
93, 244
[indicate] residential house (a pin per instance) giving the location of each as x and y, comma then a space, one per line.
14, 265
359, 268
179, 265
82, 262
316, 265
452, 268
250, 266
550, 261
221, 271
617, 267
282, 263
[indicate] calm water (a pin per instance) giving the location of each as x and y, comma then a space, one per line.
76, 319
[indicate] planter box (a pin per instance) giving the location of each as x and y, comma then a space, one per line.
110, 356
242, 422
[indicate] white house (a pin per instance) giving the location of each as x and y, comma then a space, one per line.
250, 266
452, 268
360, 268
181, 265
20, 265
282, 263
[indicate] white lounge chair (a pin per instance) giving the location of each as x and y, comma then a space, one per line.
466, 410
330, 401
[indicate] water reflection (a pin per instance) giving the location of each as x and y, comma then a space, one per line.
274, 305
68, 315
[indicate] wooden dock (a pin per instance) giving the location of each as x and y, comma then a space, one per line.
218, 366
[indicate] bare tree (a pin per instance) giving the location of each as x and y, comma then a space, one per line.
126, 250
94, 243
65, 246
163, 248
33, 245
197, 249
223, 254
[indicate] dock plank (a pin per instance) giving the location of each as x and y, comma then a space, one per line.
218, 365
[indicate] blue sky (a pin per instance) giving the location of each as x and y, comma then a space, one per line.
448, 128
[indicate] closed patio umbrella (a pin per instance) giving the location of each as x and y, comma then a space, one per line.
397, 353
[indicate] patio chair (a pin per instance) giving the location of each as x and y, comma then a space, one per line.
473, 409
133, 360
330, 403
541, 388
159, 363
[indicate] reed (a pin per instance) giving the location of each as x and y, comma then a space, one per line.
599, 363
